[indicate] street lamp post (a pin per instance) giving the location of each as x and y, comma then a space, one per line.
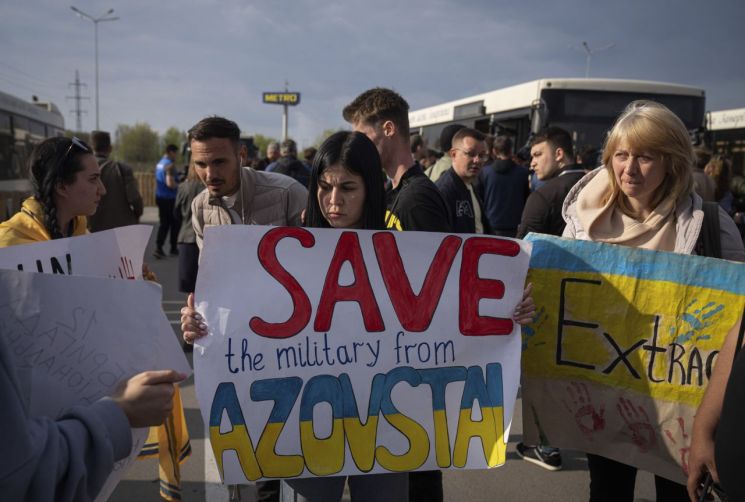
96, 20
590, 52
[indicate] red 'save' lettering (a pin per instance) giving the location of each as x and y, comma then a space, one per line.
414, 311
301, 304
473, 288
360, 291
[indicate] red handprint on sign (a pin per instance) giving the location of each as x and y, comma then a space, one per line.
683, 443
588, 418
637, 421
126, 270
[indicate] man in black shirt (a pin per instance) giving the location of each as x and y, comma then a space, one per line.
552, 155
552, 159
414, 202
468, 153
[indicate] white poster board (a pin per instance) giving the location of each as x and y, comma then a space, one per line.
117, 254
344, 352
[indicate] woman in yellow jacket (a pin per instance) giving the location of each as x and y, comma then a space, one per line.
68, 188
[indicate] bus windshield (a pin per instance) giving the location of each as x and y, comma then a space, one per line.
589, 114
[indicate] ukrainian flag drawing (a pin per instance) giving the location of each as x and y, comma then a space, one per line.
596, 301
620, 351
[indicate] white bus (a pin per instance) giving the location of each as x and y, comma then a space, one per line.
726, 135
23, 124
586, 107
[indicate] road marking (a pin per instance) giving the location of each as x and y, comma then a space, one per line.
213, 489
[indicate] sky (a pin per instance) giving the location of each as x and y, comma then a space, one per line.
171, 63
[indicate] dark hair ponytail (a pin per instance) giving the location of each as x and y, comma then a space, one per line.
53, 161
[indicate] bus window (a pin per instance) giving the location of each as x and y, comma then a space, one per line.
4, 123
37, 129
20, 127
731, 142
588, 115
603, 107
482, 125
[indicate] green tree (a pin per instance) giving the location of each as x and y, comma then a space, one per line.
173, 136
138, 144
323, 136
261, 143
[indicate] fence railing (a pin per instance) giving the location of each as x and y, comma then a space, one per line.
146, 185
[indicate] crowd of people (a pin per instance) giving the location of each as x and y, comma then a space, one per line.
646, 189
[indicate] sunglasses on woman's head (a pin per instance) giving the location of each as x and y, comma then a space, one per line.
75, 142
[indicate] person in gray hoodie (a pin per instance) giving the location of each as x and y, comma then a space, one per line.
71, 457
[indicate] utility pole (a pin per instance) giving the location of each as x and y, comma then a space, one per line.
77, 111
285, 115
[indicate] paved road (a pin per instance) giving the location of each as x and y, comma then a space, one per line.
515, 481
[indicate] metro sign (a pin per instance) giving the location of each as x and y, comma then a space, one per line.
281, 98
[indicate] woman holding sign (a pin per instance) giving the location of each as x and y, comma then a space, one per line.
346, 190
67, 188
643, 197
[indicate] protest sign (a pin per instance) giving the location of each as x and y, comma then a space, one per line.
622, 347
72, 339
345, 352
115, 253
75, 337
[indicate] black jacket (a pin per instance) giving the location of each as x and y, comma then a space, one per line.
542, 213
416, 204
503, 189
459, 202
292, 167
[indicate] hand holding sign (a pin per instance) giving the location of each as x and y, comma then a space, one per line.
525, 310
390, 341
192, 325
147, 398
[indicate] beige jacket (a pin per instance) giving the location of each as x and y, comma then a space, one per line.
689, 218
270, 199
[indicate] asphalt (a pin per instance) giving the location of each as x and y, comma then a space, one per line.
517, 480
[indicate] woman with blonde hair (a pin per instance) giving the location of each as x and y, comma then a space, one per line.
642, 197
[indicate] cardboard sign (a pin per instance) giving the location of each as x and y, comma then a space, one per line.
622, 347
345, 352
115, 253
